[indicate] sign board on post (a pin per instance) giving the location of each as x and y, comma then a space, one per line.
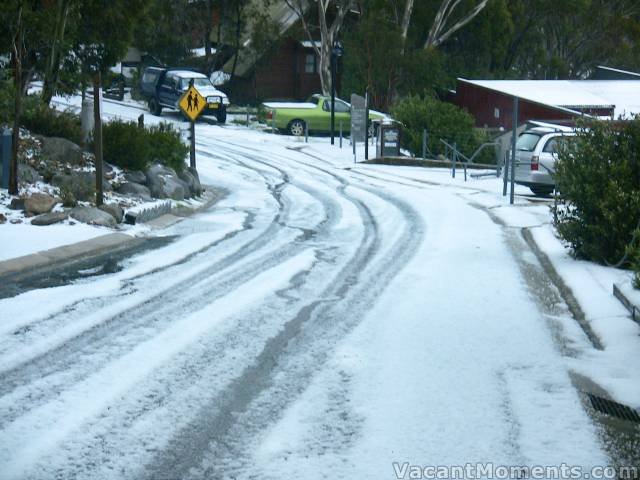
358, 118
388, 140
192, 103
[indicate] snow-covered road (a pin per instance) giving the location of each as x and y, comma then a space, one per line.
319, 322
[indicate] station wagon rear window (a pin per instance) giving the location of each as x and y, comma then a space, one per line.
527, 142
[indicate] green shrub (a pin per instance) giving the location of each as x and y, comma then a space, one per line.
166, 146
598, 176
44, 120
126, 145
38, 117
443, 121
129, 146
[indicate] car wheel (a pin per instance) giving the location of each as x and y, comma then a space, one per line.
542, 191
296, 127
154, 108
221, 115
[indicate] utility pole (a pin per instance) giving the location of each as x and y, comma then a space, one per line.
514, 134
97, 135
333, 95
366, 123
336, 51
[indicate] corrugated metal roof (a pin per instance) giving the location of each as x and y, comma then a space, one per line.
622, 95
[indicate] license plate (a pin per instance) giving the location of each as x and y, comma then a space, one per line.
213, 105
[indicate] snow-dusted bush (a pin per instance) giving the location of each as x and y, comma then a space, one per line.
598, 177
37, 117
166, 146
128, 146
442, 120
44, 120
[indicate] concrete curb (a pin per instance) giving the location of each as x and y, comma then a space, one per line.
60, 255
634, 309
565, 291
109, 243
427, 162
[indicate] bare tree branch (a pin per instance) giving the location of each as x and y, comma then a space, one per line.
406, 19
439, 31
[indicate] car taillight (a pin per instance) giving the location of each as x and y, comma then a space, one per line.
534, 162
269, 115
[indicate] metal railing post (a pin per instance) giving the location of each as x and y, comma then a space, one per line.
505, 174
353, 142
454, 157
306, 132
424, 144
341, 134
513, 149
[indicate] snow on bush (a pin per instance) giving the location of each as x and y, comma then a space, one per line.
598, 176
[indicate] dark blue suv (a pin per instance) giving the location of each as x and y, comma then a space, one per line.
164, 88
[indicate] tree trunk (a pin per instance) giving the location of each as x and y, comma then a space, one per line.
324, 68
207, 38
97, 137
237, 41
406, 20
51, 74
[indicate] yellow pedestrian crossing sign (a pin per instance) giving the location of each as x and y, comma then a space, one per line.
192, 103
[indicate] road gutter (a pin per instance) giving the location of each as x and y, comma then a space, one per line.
48, 260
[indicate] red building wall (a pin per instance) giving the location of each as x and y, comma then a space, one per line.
482, 104
280, 76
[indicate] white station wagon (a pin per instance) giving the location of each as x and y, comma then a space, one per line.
536, 155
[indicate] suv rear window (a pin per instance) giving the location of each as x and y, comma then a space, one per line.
527, 142
150, 76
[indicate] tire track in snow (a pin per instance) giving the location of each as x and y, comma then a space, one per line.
66, 357
157, 309
301, 346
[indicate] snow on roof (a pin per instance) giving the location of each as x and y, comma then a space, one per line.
308, 44
187, 74
623, 95
200, 51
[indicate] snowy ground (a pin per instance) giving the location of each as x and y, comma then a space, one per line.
324, 320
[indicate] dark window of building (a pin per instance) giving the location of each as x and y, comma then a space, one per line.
310, 63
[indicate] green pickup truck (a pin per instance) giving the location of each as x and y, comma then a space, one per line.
314, 113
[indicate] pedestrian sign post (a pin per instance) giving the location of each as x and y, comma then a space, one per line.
192, 104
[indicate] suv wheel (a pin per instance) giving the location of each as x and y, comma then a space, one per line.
221, 115
542, 191
296, 128
154, 108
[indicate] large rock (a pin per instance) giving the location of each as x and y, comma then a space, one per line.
192, 182
16, 204
163, 182
27, 174
93, 216
82, 185
135, 176
49, 218
62, 150
135, 190
114, 210
39, 203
